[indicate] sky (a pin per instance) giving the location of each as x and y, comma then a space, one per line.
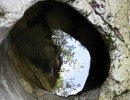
75, 74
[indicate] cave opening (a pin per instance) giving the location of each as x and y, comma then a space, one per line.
38, 54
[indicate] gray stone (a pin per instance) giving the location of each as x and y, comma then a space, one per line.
113, 22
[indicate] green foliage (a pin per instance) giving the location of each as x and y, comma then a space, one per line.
114, 94
65, 50
110, 42
2, 14
59, 83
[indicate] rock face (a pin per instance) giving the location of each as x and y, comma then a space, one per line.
112, 20
37, 47
118, 83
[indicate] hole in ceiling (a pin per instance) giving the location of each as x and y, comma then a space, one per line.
58, 50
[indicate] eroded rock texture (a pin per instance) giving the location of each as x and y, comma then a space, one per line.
112, 20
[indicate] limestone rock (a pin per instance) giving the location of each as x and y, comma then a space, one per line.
110, 17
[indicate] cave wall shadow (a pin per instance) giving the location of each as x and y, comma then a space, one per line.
58, 15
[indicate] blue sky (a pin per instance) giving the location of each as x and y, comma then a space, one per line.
75, 73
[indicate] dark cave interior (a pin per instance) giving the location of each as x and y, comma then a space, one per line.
32, 34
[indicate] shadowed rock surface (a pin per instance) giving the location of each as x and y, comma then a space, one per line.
30, 45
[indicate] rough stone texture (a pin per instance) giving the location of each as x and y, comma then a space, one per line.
10, 89
118, 82
113, 23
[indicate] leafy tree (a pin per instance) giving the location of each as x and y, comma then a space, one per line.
64, 87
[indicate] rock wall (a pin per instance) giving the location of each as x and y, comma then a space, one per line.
110, 17
118, 83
